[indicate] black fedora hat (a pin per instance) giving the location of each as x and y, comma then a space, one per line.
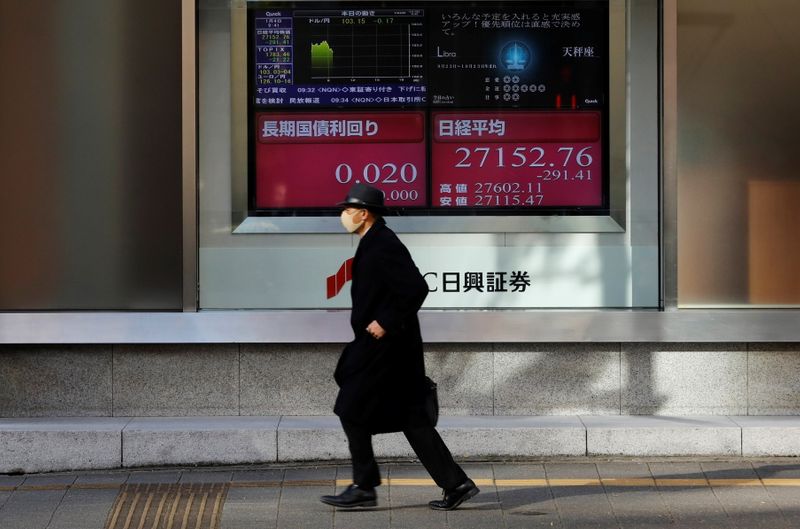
364, 196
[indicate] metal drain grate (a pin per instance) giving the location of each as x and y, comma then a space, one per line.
168, 506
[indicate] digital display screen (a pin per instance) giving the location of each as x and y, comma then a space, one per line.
531, 55
313, 57
450, 108
312, 159
516, 159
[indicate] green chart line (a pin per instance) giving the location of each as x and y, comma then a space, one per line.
321, 55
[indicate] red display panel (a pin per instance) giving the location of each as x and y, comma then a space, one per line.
310, 160
516, 159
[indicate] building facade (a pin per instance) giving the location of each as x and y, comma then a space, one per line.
152, 268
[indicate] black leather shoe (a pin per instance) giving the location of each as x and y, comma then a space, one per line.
352, 497
455, 497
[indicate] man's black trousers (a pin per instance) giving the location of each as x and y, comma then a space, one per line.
425, 442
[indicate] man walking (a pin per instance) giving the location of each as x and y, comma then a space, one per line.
381, 373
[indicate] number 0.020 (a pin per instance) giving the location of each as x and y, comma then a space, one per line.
373, 173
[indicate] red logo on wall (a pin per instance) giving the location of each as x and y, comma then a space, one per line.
336, 281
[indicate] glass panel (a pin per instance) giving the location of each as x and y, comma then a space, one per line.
90, 156
563, 262
738, 187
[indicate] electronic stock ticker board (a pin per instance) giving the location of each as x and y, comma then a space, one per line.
493, 108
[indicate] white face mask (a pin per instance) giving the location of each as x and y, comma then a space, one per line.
348, 223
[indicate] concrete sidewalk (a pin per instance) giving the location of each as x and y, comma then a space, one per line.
577, 493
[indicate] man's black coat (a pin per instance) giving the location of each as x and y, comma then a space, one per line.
381, 381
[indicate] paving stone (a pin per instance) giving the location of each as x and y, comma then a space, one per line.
786, 499
777, 470
574, 503
251, 508
478, 470
4, 497
519, 471
271, 475
581, 506
677, 470
84, 509
49, 481
299, 506
11, 481
693, 507
571, 471
634, 506
689, 506
526, 506
372, 518
410, 504
566, 504
345, 472
30, 509
408, 471
206, 477
625, 470
726, 470
747, 507
485, 509
639, 507
117, 478
153, 477
310, 473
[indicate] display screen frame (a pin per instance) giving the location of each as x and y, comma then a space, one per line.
607, 217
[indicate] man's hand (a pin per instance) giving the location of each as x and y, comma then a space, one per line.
376, 330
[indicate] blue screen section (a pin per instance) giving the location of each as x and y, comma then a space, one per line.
516, 56
549, 54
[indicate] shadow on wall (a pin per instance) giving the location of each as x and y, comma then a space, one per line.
561, 379
542, 379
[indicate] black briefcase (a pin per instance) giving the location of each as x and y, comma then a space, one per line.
431, 401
